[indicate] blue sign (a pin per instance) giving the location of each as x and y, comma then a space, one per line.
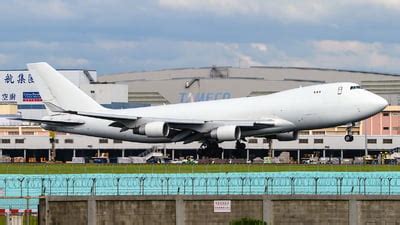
203, 96
33, 96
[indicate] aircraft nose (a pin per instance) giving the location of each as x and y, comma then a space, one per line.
380, 102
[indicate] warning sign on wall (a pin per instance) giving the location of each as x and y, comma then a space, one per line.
222, 206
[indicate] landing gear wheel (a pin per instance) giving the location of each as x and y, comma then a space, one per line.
208, 149
240, 145
349, 134
349, 138
240, 150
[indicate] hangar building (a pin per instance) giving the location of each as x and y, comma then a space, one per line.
201, 84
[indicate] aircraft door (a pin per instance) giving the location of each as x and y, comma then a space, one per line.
340, 90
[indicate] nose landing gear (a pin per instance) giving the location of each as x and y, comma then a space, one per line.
349, 136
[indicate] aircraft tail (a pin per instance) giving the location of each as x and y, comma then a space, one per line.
56, 90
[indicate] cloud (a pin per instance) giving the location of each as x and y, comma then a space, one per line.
69, 62
259, 46
356, 54
340, 47
110, 56
4, 59
44, 9
285, 10
115, 44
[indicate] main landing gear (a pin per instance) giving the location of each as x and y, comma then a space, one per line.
349, 134
209, 149
240, 145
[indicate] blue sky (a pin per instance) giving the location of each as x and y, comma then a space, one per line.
129, 35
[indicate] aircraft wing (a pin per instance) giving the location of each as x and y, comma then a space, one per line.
190, 130
57, 122
126, 120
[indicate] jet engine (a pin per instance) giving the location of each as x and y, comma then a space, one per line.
226, 133
288, 136
153, 129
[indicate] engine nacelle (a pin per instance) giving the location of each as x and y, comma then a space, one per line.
154, 129
288, 136
226, 133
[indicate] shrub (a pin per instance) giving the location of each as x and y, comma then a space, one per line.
247, 221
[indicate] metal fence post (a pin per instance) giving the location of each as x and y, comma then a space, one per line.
73, 186
217, 179
229, 184
192, 184
118, 178
93, 189
390, 181
242, 179
292, 189
365, 188
21, 180
67, 179
184, 186
316, 185
42, 187
250, 181
206, 186
27, 187
49, 186
167, 179
339, 181
5, 186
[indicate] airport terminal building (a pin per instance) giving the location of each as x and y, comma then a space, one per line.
141, 89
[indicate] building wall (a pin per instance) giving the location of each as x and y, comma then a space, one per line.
18, 87
386, 122
199, 209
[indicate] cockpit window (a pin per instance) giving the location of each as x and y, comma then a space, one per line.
355, 87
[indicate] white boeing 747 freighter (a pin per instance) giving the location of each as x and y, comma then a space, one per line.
278, 116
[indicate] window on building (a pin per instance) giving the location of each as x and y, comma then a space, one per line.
117, 141
318, 141
303, 141
19, 141
385, 114
387, 141
371, 141
385, 128
253, 141
5, 141
318, 132
13, 133
304, 132
103, 140
28, 133
265, 140
69, 141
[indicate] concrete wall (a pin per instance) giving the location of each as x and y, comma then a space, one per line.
276, 210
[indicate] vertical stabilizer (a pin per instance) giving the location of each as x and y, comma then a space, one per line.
54, 88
